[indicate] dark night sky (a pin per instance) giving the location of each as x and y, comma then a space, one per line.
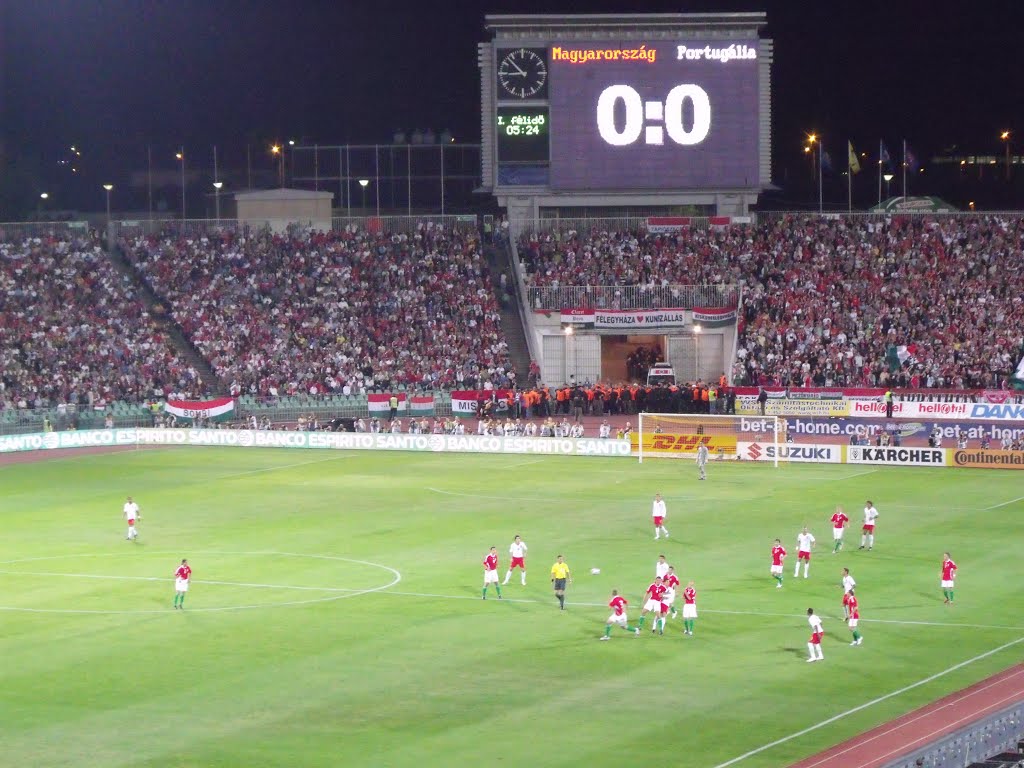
116, 75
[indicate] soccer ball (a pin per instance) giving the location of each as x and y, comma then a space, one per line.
595, 571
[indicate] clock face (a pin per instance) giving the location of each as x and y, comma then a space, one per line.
523, 73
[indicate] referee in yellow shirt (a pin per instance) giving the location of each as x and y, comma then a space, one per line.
560, 573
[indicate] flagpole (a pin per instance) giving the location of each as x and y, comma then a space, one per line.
904, 168
849, 177
820, 206
879, 171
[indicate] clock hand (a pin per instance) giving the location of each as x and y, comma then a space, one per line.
518, 70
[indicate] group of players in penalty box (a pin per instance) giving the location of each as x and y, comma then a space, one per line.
659, 599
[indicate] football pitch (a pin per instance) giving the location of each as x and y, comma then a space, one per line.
335, 616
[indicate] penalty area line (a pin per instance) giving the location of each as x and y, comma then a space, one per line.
1005, 503
166, 579
871, 703
280, 467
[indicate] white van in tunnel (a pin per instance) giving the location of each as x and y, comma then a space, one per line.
661, 373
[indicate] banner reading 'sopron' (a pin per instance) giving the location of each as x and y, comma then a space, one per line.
219, 409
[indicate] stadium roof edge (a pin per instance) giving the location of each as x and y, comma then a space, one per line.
650, 20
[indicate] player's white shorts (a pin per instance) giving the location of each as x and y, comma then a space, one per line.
619, 619
689, 610
490, 577
837, 533
852, 623
653, 605
181, 585
946, 584
776, 569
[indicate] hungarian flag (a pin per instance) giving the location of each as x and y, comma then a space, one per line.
380, 405
421, 405
1017, 379
219, 409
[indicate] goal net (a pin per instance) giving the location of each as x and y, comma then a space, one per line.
677, 435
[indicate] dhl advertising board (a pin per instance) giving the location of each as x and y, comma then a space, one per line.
685, 444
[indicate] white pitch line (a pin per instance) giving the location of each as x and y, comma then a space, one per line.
1005, 503
275, 469
484, 496
522, 464
871, 703
162, 578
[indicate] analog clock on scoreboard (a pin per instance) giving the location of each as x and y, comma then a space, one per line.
522, 73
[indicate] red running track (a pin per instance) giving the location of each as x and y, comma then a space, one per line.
888, 742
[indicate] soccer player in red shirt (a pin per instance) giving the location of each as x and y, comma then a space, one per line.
491, 572
652, 604
671, 581
689, 608
948, 576
181, 577
618, 605
839, 521
853, 616
778, 555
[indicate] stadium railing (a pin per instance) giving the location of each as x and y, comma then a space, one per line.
602, 224
631, 296
11, 230
998, 733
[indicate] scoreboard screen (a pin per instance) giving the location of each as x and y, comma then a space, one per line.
523, 134
655, 115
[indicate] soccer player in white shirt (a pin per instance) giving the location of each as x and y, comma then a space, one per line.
517, 551
847, 584
131, 514
867, 535
605, 430
661, 567
814, 644
702, 461
659, 513
804, 547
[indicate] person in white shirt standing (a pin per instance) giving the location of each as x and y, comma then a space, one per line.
517, 551
817, 631
661, 567
702, 461
867, 535
659, 512
804, 547
131, 514
847, 584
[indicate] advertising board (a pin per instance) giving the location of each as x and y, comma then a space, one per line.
825, 454
685, 445
351, 441
988, 459
897, 457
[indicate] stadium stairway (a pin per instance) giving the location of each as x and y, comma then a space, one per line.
211, 384
499, 260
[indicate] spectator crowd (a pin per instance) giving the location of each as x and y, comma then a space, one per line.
74, 331
916, 302
346, 312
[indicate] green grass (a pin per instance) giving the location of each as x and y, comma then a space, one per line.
423, 672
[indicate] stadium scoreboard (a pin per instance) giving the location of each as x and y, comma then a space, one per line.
576, 105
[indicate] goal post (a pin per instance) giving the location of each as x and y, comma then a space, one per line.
679, 435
